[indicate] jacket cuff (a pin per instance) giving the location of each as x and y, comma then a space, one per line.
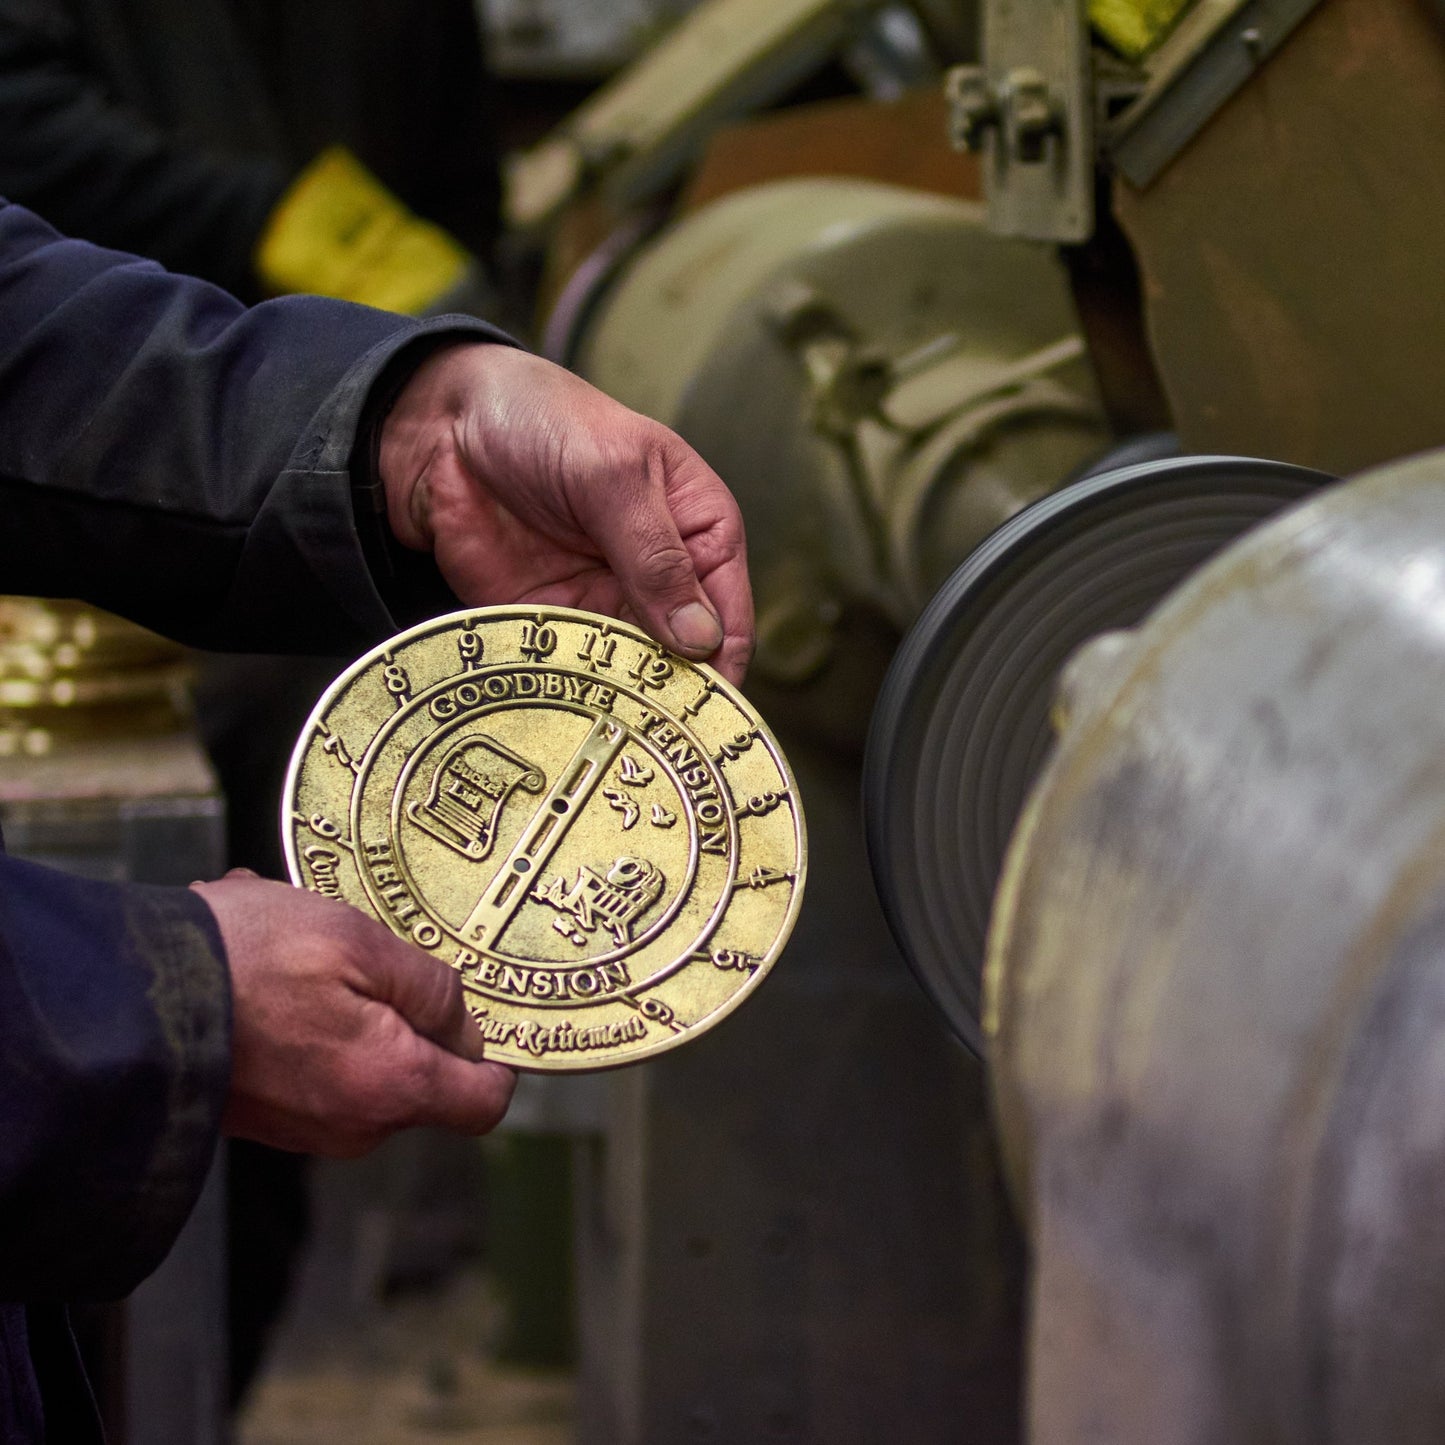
383, 586
190, 990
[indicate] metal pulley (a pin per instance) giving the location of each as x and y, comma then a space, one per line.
963, 721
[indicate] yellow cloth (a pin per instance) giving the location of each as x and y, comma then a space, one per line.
1134, 27
339, 232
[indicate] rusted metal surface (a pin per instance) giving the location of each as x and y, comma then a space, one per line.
1217, 986
901, 143
1291, 254
1217, 47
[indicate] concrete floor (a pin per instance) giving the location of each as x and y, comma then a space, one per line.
412, 1372
389, 1335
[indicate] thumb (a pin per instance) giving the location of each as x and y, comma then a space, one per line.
425, 992
635, 527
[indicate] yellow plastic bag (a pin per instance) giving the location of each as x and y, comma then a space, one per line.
339, 232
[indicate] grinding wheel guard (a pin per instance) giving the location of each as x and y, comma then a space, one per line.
962, 725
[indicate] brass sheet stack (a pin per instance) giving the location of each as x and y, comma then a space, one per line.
70, 671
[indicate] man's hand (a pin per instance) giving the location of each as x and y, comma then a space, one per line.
531, 486
342, 1033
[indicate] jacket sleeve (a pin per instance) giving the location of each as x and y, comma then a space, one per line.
114, 1065
174, 457
98, 168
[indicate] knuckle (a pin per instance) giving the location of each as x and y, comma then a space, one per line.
384, 1103
415, 1086
666, 567
349, 933
440, 988
504, 1085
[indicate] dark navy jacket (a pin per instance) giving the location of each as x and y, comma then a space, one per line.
175, 458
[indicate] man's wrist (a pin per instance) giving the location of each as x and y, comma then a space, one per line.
370, 493
420, 426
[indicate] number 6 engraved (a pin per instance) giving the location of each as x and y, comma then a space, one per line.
656, 1010
659, 1012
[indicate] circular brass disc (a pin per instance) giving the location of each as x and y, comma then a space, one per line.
602, 838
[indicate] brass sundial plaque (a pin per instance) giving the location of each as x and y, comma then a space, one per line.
601, 837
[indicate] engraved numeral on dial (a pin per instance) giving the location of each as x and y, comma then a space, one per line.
397, 683
470, 648
322, 826
539, 640
659, 1012
729, 958
762, 877
596, 650
696, 705
731, 751
650, 670
762, 803
654, 1009
333, 744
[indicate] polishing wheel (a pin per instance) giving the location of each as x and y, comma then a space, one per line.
961, 728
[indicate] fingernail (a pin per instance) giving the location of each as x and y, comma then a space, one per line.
696, 629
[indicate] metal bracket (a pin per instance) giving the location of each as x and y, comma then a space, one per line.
1029, 109
1213, 51
641, 130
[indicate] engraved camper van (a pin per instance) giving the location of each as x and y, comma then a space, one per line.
469, 788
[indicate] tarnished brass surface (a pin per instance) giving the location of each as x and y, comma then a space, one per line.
602, 838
